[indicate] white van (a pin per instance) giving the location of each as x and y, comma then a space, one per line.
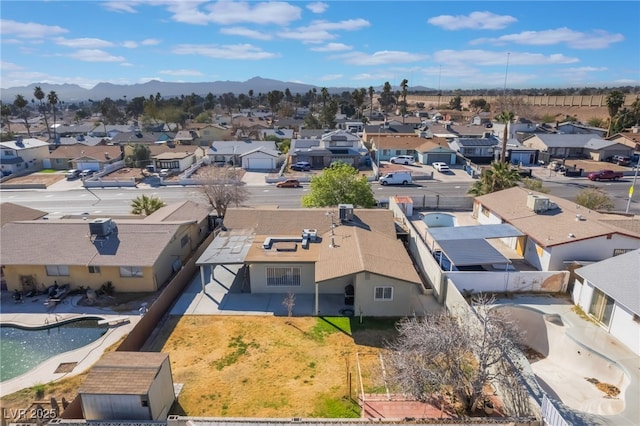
396, 178
403, 159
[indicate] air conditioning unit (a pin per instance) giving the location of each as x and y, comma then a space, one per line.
538, 203
101, 227
346, 212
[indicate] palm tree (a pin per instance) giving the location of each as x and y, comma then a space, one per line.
500, 176
52, 98
21, 103
371, 93
5, 112
39, 95
404, 85
614, 101
505, 117
146, 205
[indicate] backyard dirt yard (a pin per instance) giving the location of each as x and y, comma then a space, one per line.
39, 178
272, 366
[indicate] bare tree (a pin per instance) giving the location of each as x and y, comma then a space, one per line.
222, 187
447, 354
289, 302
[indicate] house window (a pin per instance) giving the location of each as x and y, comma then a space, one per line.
283, 276
618, 252
94, 269
398, 152
601, 307
57, 270
386, 151
383, 294
8, 153
131, 271
485, 211
184, 241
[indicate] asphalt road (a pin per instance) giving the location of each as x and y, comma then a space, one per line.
116, 201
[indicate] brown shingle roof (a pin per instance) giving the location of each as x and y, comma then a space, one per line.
10, 212
123, 373
180, 212
552, 227
98, 152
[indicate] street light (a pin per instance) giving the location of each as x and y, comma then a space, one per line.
633, 184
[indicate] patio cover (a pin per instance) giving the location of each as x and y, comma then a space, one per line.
229, 247
471, 252
503, 230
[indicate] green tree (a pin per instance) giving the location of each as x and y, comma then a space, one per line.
358, 99
312, 122
371, 93
500, 176
478, 104
505, 117
39, 95
21, 103
328, 114
594, 199
145, 205
140, 156
6, 113
614, 101
456, 103
403, 110
339, 184
387, 98
274, 98
52, 99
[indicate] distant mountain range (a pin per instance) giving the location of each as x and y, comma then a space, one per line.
70, 93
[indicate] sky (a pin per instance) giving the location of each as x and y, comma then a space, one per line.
437, 44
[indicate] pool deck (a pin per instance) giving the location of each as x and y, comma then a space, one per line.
598, 340
34, 313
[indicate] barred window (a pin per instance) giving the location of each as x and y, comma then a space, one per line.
94, 269
383, 293
283, 277
57, 270
131, 271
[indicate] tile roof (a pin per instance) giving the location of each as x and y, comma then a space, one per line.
555, 226
123, 373
391, 142
10, 212
77, 150
624, 288
68, 242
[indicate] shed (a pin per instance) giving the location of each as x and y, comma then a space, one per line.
128, 386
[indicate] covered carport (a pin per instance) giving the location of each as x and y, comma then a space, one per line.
227, 248
467, 246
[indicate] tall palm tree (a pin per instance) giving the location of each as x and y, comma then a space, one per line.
5, 112
500, 176
404, 85
614, 101
146, 205
21, 103
505, 117
371, 93
53, 100
39, 95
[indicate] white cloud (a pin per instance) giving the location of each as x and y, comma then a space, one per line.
183, 72
474, 21
9, 66
235, 51
317, 7
229, 13
331, 77
307, 36
94, 55
380, 58
83, 43
574, 39
130, 44
246, 32
332, 47
29, 30
489, 58
120, 6
346, 25
150, 42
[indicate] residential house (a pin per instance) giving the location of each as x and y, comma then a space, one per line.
346, 252
575, 146
244, 127
385, 129
22, 154
630, 139
279, 133
145, 138
609, 292
576, 128
477, 150
135, 255
338, 145
111, 130
128, 385
186, 137
73, 130
10, 212
558, 232
81, 157
80, 139
207, 133
426, 151
247, 153
311, 133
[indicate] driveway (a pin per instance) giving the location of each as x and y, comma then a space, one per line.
256, 178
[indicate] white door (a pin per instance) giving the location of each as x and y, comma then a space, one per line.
260, 164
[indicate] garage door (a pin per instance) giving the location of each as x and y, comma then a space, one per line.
91, 166
432, 158
260, 164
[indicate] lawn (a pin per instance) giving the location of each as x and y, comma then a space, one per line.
272, 366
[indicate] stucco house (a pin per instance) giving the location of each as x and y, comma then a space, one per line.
81, 157
263, 153
609, 292
385, 129
576, 146
557, 232
207, 133
424, 150
22, 154
338, 145
347, 252
135, 255
630, 139
280, 133
480, 150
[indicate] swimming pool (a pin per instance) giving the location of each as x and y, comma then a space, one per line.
22, 349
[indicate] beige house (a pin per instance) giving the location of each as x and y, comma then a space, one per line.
351, 253
80, 156
135, 255
128, 386
208, 133
22, 154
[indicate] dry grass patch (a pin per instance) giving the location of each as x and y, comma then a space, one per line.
39, 178
266, 366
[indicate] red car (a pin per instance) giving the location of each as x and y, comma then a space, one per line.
289, 183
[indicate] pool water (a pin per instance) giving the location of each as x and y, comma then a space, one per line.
22, 349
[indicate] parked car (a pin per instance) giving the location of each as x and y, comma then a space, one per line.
289, 183
301, 166
621, 160
441, 167
72, 174
605, 175
403, 159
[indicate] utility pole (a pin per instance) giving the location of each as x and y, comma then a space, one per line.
633, 184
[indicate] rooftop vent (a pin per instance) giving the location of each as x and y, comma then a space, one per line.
310, 234
101, 227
